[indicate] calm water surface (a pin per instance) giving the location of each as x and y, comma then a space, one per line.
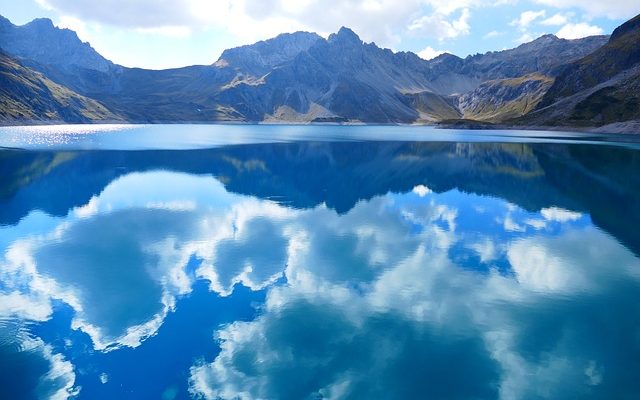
285, 262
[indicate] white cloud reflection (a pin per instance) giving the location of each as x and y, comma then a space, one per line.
368, 293
30, 368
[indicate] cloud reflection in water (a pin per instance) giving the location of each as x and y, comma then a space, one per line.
396, 297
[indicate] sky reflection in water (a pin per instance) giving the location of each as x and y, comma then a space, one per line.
321, 270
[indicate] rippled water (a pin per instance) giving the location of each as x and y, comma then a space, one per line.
317, 262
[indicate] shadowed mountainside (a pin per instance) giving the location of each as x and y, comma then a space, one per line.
584, 178
28, 95
302, 77
599, 89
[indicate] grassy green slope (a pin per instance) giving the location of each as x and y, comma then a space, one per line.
28, 96
619, 54
504, 99
600, 89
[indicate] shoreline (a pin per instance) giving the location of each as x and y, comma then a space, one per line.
631, 127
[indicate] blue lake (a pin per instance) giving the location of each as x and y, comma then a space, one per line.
311, 262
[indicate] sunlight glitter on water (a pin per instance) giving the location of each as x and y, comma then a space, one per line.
39, 135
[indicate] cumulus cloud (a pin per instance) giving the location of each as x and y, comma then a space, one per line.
348, 359
436, 25
139, 234
428, 53
370, 295
555, 20
598, 8
30, 368
557, 264
338, 341
493, 34
559, 214
138, 258
486, 249
382, 21
579, 30
526, 18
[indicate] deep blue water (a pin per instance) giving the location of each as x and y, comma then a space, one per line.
283, 262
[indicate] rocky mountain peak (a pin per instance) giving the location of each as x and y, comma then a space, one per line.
345, 35
629, 26
4, 22
258, 58
43, 23
549, 37
541, 42
55, 46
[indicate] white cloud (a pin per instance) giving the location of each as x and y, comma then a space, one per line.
598, 8
526, 18
493, 34
579, 30
486, 249
378, 280
572, 262
382, 21
523, 23
168, 31
555, 20
419, 296
536, 223
75, 24
510, 225
422, 190
429, 53
438, 26
191, 215
524, 38
559, 214
36, 370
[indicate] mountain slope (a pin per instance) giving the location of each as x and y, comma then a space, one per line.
599, 89
302, 77
504, 99
344, 79
620, 53
545, 55
259, 58
338, 79
28, 96
40, 42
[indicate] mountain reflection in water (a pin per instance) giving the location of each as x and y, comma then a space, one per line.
321, 270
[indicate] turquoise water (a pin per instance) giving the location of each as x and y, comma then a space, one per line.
285, 262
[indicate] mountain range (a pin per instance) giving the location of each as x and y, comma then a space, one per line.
48, 74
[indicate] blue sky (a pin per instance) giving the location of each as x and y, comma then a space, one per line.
171, 33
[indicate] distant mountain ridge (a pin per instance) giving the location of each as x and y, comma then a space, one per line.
598, 89
40, 42
302, 77
27, 95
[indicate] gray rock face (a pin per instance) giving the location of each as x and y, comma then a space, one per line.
257, 59
599, 89
504, 99
341, 78
545, 55
28, 96
41, 42
303, 77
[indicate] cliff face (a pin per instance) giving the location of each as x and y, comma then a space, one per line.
504, 99
40, 42
620, 53
302, 77
545, 55
26, 95
599, 89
